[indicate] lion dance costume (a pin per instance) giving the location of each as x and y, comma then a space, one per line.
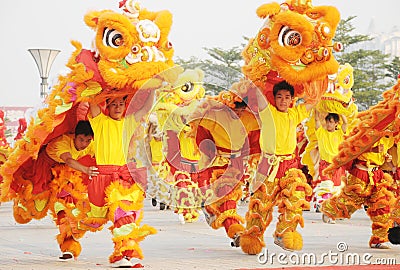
337, 100
295, 44
129, 49
362, 153
179, 168
228, 142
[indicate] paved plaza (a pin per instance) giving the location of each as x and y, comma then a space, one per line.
194, 246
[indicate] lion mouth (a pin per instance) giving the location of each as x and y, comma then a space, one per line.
298, 66
344, 104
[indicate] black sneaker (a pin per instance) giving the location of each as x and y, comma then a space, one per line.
235, 241
153, 202
66, 257
162, 206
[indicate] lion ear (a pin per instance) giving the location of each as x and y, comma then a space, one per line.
200, 73
92, 18
266, 10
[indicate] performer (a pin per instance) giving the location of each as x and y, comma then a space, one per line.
226, 137
56, 181
182, 156
129, 49
329, 136
72, 156
32, 181
116, 194
278, 180
156, 188
179, 169
367, 185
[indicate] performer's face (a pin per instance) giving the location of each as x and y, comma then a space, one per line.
82, 141
331, 125
239, 111
283, 99
116, 108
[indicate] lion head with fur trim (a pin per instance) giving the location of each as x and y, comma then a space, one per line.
131, 47
340, 99
187, 87
295, 42
179, 98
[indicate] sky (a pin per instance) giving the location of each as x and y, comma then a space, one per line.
52, 24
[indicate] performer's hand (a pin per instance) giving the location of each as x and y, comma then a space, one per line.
381, 148
92, 171
388, 157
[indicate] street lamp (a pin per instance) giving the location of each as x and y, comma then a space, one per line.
44, 58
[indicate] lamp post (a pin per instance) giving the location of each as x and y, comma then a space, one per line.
44, 58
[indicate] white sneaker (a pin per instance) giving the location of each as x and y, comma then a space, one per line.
380, 246
210, 218
181, 218
123, 263
327, 219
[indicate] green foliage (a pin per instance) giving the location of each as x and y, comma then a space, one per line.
346, 37
223, 69
393, 69
8, 133
373, 71
369, 65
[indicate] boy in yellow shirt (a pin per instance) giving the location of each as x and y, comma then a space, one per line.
57, 183
329, 137
278, 180
116, 193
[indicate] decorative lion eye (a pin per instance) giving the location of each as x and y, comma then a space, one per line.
346, 80
187, 87
135, 49
289, 37
112, 38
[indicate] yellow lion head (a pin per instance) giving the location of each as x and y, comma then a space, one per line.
187, 87
340, 99
295, 43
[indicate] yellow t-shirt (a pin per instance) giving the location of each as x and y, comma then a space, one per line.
328, 143
65, 144
188, 147
378, 158
156, 150
278, 129
112, 138
227, 132
249, 121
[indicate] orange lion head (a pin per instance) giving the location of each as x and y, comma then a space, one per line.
294, 44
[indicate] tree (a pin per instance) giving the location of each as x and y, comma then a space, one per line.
344, 35
369, 65
222, 70
191, 63
393, 69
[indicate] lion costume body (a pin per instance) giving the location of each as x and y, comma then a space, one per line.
129, 49
295, 44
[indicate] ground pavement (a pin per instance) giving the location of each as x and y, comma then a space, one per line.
197, 246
